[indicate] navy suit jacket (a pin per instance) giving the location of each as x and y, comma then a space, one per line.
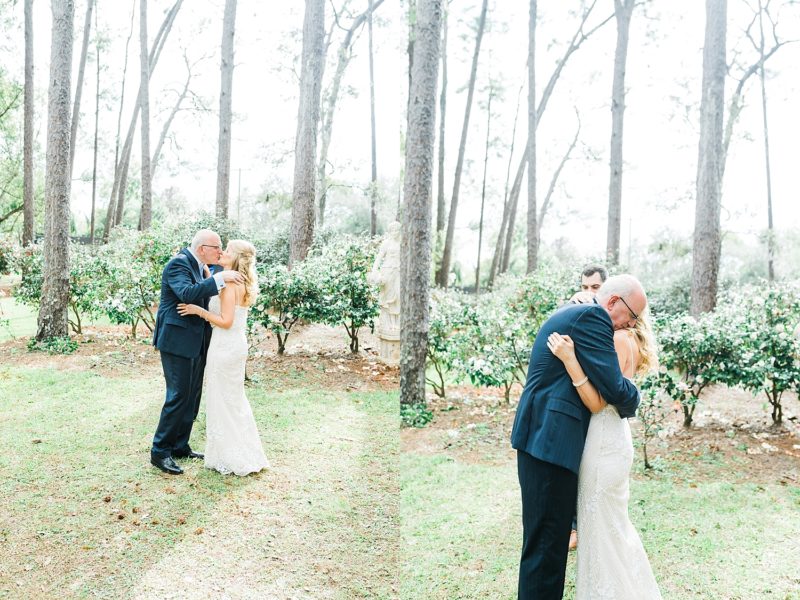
551, 421
181, 282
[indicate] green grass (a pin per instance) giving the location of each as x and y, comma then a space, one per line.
461, 533
85, 515
19, 320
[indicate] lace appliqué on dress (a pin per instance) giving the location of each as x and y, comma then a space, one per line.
612, 563
233, 444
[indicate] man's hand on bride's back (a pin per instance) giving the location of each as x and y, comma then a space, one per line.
231, 276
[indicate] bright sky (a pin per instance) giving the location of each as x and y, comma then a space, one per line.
661, 120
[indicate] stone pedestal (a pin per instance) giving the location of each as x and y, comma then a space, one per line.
389, 350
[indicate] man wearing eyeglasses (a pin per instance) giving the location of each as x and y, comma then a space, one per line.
551, 423
183, 343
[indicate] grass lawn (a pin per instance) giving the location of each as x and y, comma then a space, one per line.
713, 526
85, 515
18, 320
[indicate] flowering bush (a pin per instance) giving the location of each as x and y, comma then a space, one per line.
769, 352
340, 270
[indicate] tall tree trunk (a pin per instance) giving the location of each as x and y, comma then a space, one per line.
442, 274
165, 129
770, 230
373, 188
533, 229
329, 108
122, 171
440, 205
707, 235
622, 10
96, 130
305, 153
27, 143
417, 186
76, 107
483, 187
52, 319
111, 211
144, 100
554, 180
498, 251
513, 199
225, 110
575, 43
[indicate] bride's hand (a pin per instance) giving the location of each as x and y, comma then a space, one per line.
188, 309
562, 346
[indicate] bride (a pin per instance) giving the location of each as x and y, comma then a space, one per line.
611, 562
232, 441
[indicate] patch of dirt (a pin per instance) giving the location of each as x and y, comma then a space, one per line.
315, 355
731, 427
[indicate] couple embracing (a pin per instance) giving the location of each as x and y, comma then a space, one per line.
574, 448
201, 328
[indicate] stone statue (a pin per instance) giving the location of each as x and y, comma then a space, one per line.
386, 275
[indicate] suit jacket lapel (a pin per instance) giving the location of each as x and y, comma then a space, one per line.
193, 261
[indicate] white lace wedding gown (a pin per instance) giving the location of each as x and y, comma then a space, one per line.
611, 562
232, 441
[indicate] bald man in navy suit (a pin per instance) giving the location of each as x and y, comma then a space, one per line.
551, 423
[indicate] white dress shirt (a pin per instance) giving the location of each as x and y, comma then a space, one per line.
217, 276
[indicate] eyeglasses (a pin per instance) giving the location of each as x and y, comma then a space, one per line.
210, 246
633, 314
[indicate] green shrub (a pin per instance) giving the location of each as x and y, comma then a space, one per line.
415, 415
769, 352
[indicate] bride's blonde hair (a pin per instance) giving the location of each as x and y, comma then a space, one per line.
244, 260
646, 341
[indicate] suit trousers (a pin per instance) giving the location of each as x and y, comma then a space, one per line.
549, 495
184, 380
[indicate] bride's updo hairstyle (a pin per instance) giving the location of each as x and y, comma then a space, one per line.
243, 259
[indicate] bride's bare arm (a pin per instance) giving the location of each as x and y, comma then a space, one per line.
227, 301
563, 347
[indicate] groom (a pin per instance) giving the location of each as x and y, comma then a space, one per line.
551, 424
183, 342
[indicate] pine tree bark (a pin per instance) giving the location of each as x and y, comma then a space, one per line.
623, 9
305, 152
707, 231
329, 109
483, 187
417, 187
441, 211
443, 273
533, 228
144, 101
76, 107
111, 210
373, 187
578, 38
27, 135
762, 78
96, 132
52, 319
225, 110
121, 173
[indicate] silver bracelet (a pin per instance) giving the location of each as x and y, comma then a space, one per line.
581, 382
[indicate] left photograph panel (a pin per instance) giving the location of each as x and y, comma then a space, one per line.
198, 323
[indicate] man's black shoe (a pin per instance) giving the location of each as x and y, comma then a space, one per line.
191, 454
167, 465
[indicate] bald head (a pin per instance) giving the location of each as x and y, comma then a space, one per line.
624, 299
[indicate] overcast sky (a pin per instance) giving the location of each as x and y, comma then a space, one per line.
661, 120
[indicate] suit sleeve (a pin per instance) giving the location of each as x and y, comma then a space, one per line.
594, 348
179, 279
